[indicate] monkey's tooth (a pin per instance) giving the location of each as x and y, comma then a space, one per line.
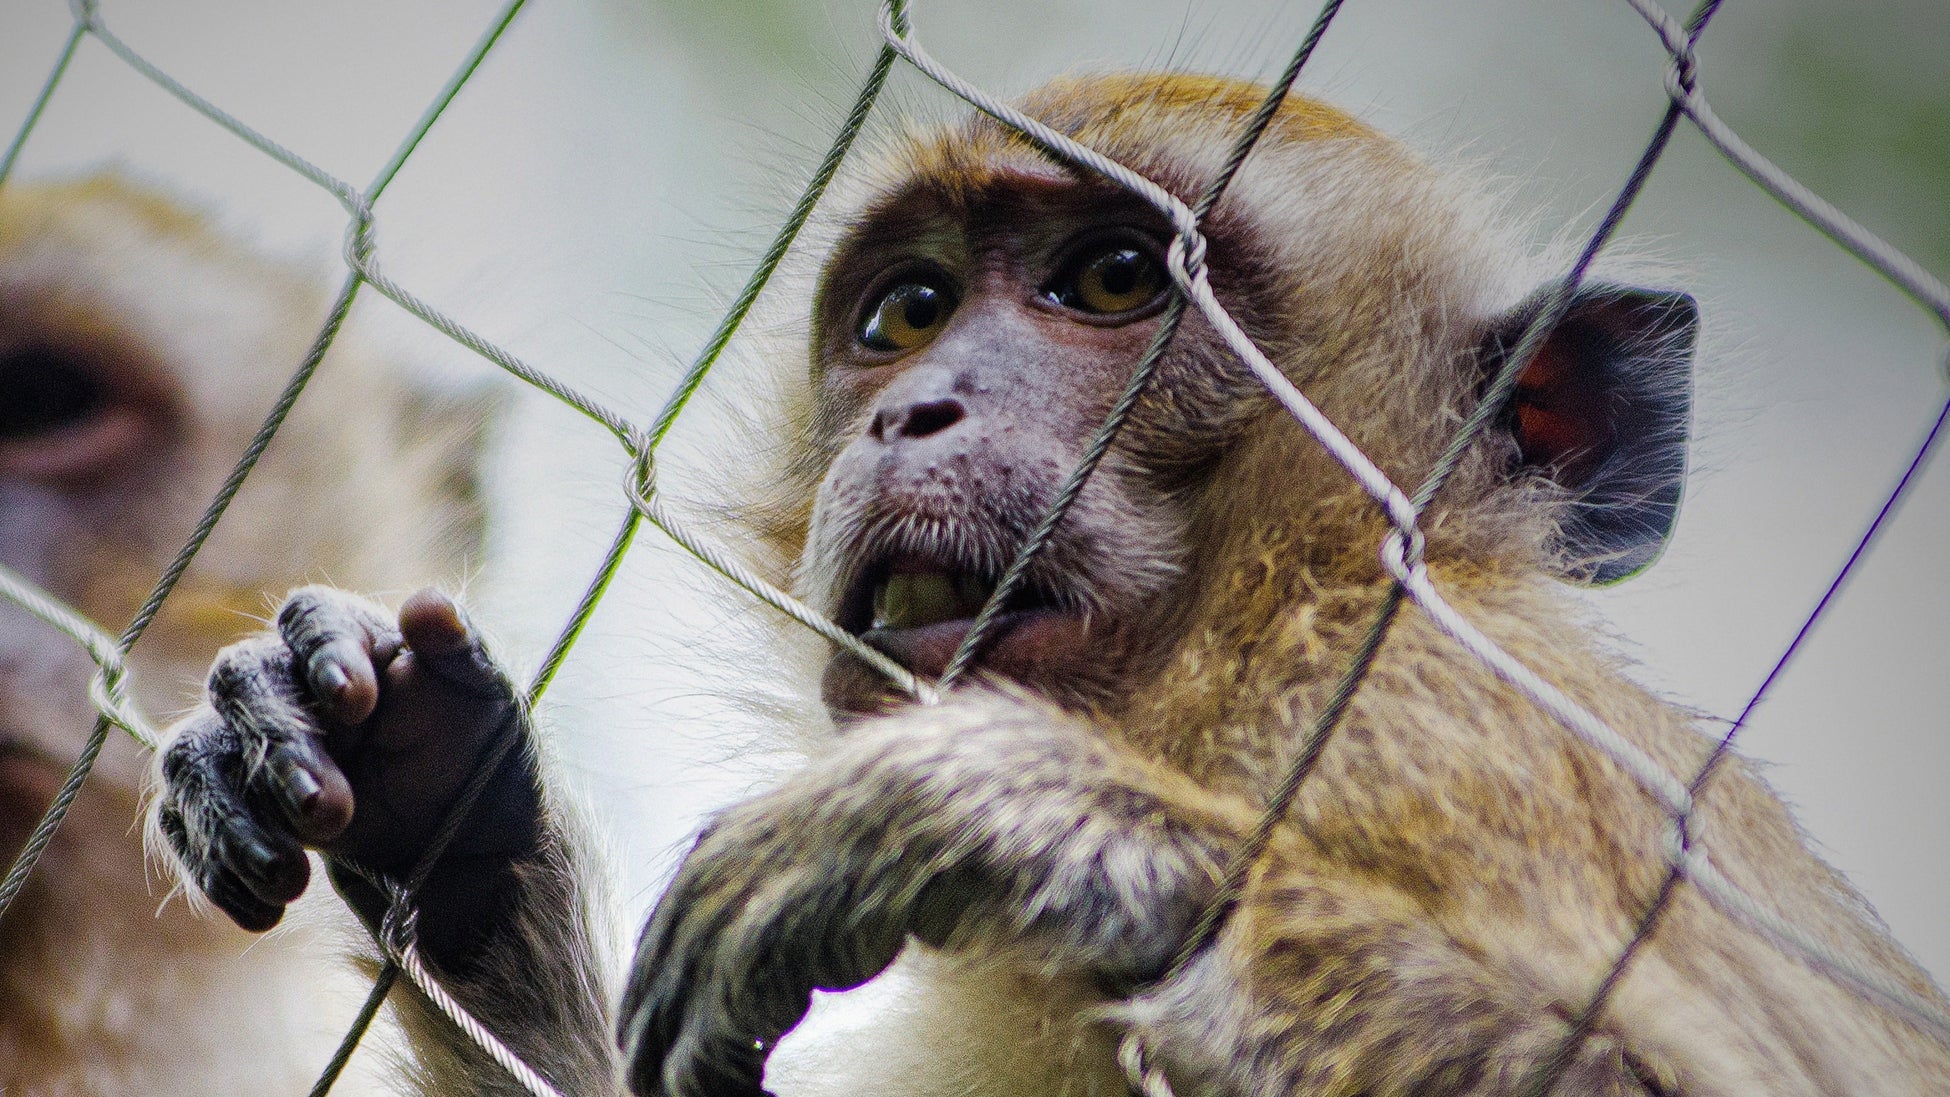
908, 601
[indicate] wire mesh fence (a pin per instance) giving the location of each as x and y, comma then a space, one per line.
1688, 861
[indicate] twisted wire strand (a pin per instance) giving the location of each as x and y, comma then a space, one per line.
1186, 257
84, 764
802, 210
1682, 86
408, 959
640, 486
397, 937
987, 619
106, 688
34, 111
1682, 89
111, 698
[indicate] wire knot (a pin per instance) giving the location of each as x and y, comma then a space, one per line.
1685, 71
1186, 257
640, 479
399, 927
361, 235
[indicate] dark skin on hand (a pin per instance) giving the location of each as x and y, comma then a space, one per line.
370, 730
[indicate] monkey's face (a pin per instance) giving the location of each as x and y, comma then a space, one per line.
92, 430
969, 341
980, 318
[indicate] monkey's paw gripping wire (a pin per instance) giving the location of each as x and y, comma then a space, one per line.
640, 485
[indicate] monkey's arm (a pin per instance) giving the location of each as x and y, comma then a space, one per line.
987, 821
352, 734
993, 823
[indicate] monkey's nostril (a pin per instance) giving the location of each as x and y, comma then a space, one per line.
915, 420
930, 418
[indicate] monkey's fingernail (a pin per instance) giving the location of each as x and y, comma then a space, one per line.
300, 790
330, 677
256, 854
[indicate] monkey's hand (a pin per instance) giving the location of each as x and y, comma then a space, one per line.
351, 733
984, 824
354, 733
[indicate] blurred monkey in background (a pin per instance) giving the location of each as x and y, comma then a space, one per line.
139, 352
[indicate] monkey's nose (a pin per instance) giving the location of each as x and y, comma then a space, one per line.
915, 420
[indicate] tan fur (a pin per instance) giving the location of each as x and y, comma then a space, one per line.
1451, 822
105, 988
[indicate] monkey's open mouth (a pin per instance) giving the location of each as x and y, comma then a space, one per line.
920, 609
915, 599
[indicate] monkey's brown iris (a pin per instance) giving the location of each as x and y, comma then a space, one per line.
1112, 280
906, 317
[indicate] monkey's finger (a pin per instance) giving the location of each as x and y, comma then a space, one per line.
443, 641
698, 1017
253, 690
222, 843
653, 1004
708, 1062
687, 1049
243, 908
248, 869
307, 788
341, 641
663, 986
265, 863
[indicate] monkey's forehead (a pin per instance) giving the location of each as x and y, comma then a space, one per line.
1174, 128
1111, 106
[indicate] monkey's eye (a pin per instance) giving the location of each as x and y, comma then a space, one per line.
907, 316
64, 415
1114, 279
44, 391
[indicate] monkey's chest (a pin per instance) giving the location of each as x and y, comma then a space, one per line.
935, 1025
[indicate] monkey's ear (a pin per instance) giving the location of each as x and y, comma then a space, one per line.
1603, 409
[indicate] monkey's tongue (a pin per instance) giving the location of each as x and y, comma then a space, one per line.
1023, 640
1028, 645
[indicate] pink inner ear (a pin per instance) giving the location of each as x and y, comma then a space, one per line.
1560, 419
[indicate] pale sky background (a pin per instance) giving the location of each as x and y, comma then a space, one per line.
615, 168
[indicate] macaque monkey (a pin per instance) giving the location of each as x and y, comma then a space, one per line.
139, 351
1030, 854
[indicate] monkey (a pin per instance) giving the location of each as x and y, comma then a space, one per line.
140, 348
1032, 853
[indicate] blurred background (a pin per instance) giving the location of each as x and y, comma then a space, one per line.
605, 182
